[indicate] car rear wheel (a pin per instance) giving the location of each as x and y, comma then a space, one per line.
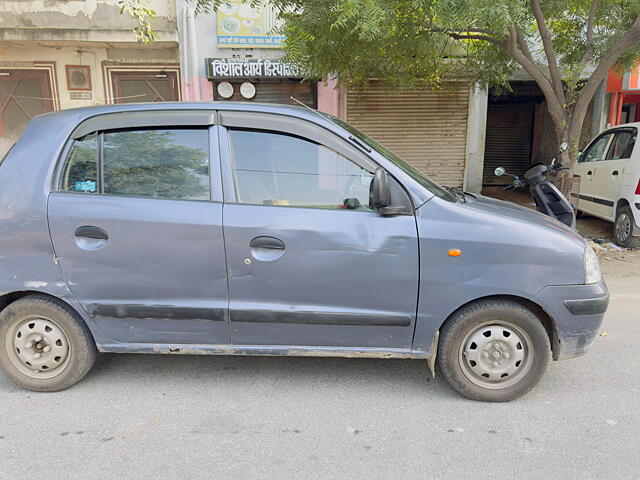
44, 345
623, 229
493, 350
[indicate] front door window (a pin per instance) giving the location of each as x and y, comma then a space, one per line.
596, 150
279, 169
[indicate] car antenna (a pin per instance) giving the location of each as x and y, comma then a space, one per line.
306, 106
351, 137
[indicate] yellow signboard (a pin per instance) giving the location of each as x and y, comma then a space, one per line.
240, 24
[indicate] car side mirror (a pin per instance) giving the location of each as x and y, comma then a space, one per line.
380, 195
380, 186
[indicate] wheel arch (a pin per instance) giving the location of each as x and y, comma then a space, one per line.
535, 308
622, 202
8, 298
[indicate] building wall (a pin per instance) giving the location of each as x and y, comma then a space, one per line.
196, 86
79, 20
50, 35
24, 56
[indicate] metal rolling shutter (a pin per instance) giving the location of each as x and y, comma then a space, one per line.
427, 128
275, 92
508, 140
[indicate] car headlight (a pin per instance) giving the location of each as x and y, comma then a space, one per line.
591, 266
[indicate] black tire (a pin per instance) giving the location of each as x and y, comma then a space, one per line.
623, 229
497, 317
71, 348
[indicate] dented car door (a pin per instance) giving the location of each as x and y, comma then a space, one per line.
310, 263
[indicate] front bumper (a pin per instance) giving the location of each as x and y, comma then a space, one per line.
577, 312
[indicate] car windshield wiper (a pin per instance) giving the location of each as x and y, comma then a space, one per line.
458, 193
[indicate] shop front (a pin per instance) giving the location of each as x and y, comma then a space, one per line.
624, 90
426, 127
258, 80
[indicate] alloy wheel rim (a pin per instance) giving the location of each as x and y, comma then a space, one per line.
38, 347
495, 355
623, 227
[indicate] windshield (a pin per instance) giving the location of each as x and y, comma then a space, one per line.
395, 159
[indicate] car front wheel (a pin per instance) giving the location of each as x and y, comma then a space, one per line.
44, 345
493, 350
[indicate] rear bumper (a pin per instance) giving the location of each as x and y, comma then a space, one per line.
577, 312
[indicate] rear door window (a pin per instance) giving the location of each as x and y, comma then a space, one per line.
159, 163
168, 163
622, 145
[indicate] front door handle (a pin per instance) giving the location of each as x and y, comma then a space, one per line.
615, 172
270, 243
589, 172
89, 231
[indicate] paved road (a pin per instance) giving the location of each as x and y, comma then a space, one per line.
138, 416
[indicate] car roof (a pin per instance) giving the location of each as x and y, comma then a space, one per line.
622, 125
86, 112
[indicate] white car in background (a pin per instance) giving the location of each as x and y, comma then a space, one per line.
610, 182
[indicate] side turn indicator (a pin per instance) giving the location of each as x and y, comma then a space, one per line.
454, 252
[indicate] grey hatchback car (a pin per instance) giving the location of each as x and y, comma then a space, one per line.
248, 229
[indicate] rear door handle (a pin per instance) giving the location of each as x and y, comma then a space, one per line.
270, 243
615, 172
89, 231
589, 172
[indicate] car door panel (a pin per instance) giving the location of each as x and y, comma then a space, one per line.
615, 167
591, 176
148, 268
160, 276
606, 187
344, 278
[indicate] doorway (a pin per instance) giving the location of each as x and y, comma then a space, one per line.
24, 93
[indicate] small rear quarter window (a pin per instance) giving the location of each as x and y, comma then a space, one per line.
80, 172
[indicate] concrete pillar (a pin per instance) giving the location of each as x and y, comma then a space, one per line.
330, 98
600, 110
476, 134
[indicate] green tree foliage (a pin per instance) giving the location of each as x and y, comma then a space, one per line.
566, 46
140, 10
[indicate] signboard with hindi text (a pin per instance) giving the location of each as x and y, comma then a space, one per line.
239, 24
230, 68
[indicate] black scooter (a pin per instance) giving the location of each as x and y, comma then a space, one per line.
549, 200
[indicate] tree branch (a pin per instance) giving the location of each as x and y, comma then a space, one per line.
522, 42
629, 39
547, 43
588, 54
553, 101
525, 59
464, 36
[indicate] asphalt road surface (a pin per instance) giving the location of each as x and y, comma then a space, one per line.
178, 417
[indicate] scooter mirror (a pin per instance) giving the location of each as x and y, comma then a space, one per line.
499, 171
